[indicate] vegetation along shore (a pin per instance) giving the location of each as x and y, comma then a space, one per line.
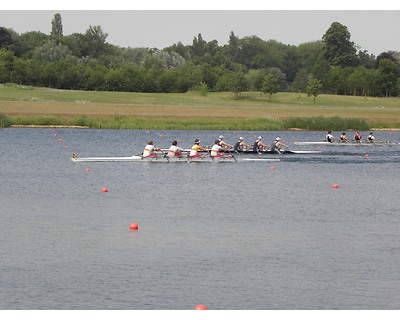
27, 106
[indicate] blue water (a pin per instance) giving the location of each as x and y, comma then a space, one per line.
248, 236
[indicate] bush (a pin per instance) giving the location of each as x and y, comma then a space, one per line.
4, 121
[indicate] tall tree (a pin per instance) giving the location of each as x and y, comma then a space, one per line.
56, 25
338, 50
233, 47
5, 37
387, 76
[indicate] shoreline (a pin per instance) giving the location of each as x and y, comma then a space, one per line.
86, 127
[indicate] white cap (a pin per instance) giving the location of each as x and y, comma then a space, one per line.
221, 136
259, 138
241, 138
278, 139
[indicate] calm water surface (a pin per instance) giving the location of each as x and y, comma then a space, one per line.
228, 235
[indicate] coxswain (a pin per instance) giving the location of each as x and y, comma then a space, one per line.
149, 150
195, 150
174, 150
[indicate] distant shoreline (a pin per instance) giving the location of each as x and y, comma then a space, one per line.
86, 127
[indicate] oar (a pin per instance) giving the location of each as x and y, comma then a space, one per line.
232, 155
165, 155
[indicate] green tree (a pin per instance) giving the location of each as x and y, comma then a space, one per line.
361, 81
270, 85
203, 90
387, 76
51, 51
238, 84
5, 38
56, 26
313, 88
95, 42
338, 50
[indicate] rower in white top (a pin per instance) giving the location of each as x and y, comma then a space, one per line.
174, 150
329, 137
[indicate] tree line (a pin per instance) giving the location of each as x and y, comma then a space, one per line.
86, 61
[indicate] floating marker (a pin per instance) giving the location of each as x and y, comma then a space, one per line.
66, 147
134, 226
87, 169
104, 190
55, 134
59, 140
272, 167
200, 307
366, 155
335, 185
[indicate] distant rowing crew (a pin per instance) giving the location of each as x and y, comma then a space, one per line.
343, 138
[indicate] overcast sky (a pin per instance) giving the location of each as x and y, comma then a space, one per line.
373, 30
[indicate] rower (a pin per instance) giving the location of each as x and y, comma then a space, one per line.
174, 150
240, 145
343, 137
278, 145
223, 143
216, 150
195, 150
357, 137
371, 137
259, 145
149, 150
329, 137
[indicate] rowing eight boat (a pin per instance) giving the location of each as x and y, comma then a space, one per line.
166, 159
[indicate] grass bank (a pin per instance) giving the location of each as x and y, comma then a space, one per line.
22, 105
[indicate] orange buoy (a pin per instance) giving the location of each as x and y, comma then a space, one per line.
335, 185
200, 307
104, 190
134, 226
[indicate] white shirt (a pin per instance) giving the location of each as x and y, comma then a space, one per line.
172, 152
215, 149
148, 150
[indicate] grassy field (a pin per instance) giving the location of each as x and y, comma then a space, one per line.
24, 105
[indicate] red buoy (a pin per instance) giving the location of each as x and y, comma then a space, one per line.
200, 307
134, 226
87, 169
335, 185
272, 167
104, 190
366, 155
59, 140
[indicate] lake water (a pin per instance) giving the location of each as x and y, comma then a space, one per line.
231, 236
